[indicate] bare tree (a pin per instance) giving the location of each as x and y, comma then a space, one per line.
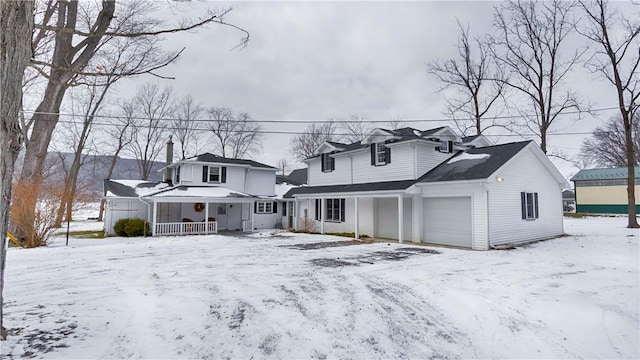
77, 32
607, 146
152, 106
186, 128
477, 81
356, 128
16, 22
118, 136
531, 45
248, 137
617, 59
283, 165
87, 101
236, 135
304, 145
395, 123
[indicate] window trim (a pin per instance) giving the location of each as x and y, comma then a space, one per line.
530, 205
381, 154
210, 167
327, 163
335, 207
267, 207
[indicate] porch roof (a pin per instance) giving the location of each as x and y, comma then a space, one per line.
199, 192
349, 188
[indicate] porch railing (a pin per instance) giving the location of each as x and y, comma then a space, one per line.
246, 226
186, 228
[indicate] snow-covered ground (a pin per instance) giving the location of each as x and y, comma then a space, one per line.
285, 296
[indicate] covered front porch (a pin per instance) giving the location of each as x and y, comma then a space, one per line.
199, 216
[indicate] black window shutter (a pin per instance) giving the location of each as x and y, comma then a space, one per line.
535, 203
255, 208
275, 207
317, 209
342, 209
523, 203
205, 173
373, 154
322, 162
223, 176
387, 155
333, 163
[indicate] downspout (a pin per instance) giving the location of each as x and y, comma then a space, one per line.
148, 213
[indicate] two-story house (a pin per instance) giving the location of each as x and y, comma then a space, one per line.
200, 195
432, 186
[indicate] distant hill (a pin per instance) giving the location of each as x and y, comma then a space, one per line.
94, 170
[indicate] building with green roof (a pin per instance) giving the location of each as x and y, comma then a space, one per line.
604, 191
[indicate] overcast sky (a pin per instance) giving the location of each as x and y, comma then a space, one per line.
322, 60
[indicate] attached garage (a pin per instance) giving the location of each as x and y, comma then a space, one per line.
448, 221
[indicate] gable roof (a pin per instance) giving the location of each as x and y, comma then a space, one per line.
398, 135
604, 174
298, 175
474, 164
131, 188
209, 157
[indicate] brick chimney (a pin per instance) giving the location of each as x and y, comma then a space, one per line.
168, 172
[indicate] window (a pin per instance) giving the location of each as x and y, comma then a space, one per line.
529, 203
222, 210
214, 174
335, 210
178, 175
328, 163
266, 207
380, 154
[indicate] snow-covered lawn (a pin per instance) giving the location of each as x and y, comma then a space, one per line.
268, 296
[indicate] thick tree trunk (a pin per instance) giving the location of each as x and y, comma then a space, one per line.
16, 22
631, 188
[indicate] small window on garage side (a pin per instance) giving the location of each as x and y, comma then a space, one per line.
529, 204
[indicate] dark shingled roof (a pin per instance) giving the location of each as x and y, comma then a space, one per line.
208, 157
404, 134
378, 186
298, 175
474, 169
122, 190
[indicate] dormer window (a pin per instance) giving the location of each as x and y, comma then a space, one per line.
380, 154
177, 174
214, 174
328, 163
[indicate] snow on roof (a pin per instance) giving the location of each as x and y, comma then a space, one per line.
467, 156
201, 191
133, 188
282, 189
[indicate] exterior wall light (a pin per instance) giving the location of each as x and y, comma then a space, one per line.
499, 179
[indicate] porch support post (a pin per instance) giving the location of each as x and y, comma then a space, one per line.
323, 211
206, 218
153, 218
400, 219
357, 232
295, 214
251, 214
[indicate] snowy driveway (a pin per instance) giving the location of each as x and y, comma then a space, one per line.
268, 296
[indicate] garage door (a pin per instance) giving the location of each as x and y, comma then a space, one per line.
447, 221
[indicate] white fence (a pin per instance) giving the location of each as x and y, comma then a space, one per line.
186, 228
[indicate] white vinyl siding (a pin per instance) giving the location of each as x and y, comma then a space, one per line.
427, 157
506, 224
123, 208
401, 166
340, 175
260, 182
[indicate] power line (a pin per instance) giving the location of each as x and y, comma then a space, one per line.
302, 121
